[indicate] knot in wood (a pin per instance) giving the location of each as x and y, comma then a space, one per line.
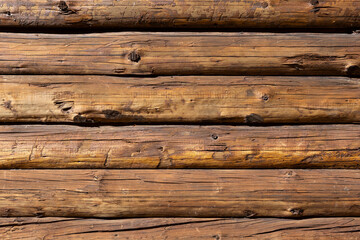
297, 211
265, 97
216, 237
63, 6
134, 57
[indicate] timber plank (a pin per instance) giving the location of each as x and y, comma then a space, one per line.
179, 228
179, 146
180, 14
166, 53
179, 193
185, 99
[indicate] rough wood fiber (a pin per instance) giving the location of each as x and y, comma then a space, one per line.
179, 193
39, 146
240, 100
166, 53
179, 228
181, 13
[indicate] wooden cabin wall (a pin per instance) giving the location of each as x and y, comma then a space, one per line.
179, 119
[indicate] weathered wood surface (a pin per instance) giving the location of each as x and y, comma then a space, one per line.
179, 193
241, 100
181, 13
166, 53
58, 146
179, 228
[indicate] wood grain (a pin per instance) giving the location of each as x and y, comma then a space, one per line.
166, 53
179, 193
241, 100
179, 228
58, 146
180, 14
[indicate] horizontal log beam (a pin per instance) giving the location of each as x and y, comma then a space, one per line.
240, 100
180, 14
166, 53
57, 146
179, 193
179, 228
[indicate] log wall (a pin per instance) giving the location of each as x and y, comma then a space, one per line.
179, 119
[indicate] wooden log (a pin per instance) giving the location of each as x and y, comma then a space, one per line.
39, 146
180, 14
166, 53
240, 100
179, 228
179, 193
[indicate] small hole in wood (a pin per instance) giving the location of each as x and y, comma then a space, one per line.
214, 136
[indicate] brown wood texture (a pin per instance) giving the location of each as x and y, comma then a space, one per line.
179, 228
179, 193
166, 53
308, 146
181, 13
241, 100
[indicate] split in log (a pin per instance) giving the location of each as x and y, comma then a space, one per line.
235, 100
180, 14
179, 228
179, 193
166, 53
57, 146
